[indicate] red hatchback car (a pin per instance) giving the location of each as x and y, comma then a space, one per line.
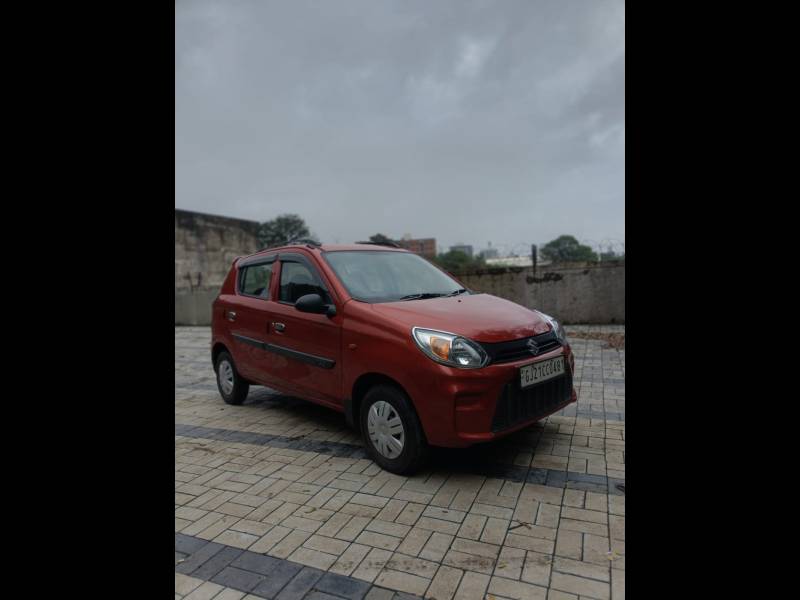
409, 355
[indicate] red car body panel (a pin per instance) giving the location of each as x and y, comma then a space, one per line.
455, 406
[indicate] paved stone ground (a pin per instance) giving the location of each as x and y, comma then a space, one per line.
275, 499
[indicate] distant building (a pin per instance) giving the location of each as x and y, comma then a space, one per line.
425, 247
488, 253
465, 248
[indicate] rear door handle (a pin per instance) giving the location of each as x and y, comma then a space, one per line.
279, 327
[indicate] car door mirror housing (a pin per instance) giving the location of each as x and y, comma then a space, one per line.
313, 303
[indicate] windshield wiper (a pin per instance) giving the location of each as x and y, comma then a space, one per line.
422, 296
457, 292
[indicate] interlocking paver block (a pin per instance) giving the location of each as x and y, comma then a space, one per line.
537, 568
582, 569
258, 563
469, 562
377, 540
313, 558
289, 544
517, 590
345, 587
237, 539
377, 593
438, 525
581, 514
206, 591
238, 579
372, 564
596, 549
510, 562
394, 529
445, 583
198, 558
185, 584
413, 543
350, 559
617, 584
494, 531
436, 547
492, 511
477, 548
580, 586
301, 584
583, 526
187, 544
216, 563
472, 586
456, 516
410, 514
270, 539
315, 595
472, 526
529, 543
403, 582
412, 565
277, 579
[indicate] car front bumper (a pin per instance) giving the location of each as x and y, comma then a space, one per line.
464, 407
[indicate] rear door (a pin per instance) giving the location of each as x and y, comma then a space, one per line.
306, 346
250, 317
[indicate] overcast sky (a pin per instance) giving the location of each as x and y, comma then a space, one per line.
467, 121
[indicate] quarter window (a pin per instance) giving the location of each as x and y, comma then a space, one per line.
256, 279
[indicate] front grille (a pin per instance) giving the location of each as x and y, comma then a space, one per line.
501, 352
517, 405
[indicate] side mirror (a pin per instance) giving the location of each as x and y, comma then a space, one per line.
313, 303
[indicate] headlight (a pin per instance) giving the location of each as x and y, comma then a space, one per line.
558, 329
450, 349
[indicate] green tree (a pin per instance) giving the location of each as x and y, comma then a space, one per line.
456, 261
281, 229
611, 255
566, 248
379, 238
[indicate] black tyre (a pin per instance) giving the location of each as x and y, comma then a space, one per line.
232, 387
391, 430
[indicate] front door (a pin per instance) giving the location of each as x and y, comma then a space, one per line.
306, 347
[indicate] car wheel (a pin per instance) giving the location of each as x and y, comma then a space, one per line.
232, 387
391, 430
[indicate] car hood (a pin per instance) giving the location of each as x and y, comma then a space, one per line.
481, 317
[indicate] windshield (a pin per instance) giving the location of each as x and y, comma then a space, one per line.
376, 276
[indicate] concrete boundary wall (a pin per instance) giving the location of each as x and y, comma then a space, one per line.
194, 308
205, 247
573, 293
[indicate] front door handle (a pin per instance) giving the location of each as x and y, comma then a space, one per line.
279, 327
231, 315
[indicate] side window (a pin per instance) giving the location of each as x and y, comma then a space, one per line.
298, 280
255, 280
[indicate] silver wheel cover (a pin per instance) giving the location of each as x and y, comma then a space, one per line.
225, 376
385, 429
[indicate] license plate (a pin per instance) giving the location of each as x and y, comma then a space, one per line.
541, 371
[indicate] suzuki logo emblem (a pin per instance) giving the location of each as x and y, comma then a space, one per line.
533, 347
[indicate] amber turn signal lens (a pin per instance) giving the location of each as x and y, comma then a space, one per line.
440, 347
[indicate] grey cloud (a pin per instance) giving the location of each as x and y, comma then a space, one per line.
466, 120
